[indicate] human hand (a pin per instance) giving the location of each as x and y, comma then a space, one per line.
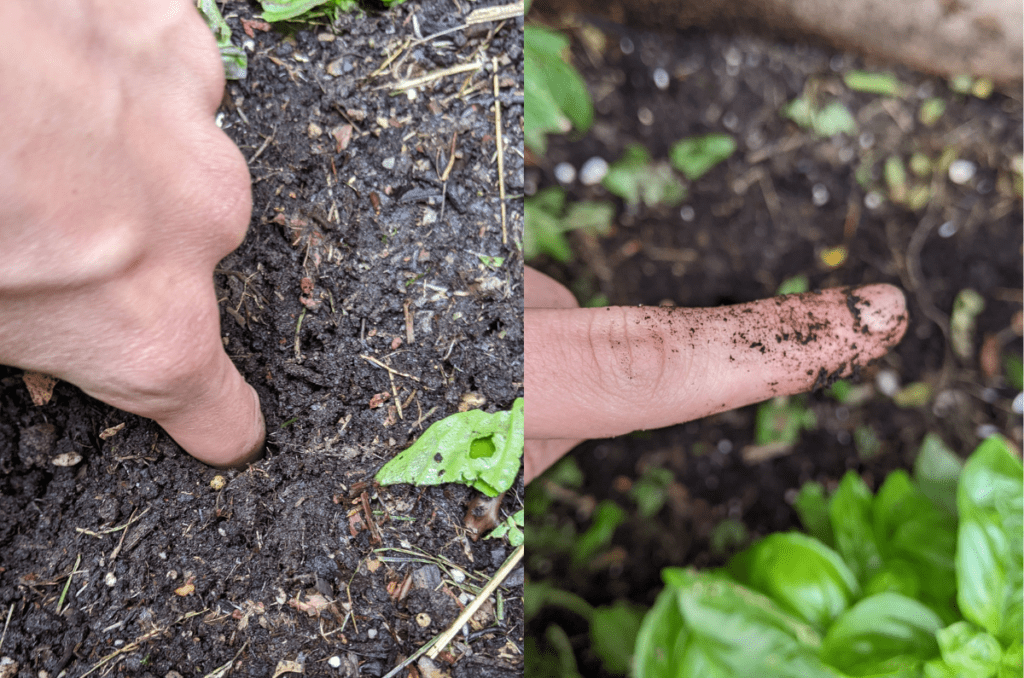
120, 196
602, 372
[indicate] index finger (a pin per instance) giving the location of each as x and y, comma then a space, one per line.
603, 372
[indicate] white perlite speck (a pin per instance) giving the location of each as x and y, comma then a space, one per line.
593, 171
961, 171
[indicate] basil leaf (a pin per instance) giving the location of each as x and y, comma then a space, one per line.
989, 557
885, 633
937, 471
613, 634
705, 625
1012, 665
799, 573
811, 505
850, 515
969, 651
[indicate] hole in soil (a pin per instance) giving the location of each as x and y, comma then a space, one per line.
481, 447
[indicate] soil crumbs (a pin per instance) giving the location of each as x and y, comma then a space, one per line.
141, 561
770, 212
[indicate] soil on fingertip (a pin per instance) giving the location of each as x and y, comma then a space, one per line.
782, 202
138, 560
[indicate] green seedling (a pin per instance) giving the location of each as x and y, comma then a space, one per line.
798, 284
1013, 369
513, 527
870, 593
931, 111
234, 59
650, 491
896, 179
825, 121
556, 97
936, 471
548, 219
598, 537
310, 10
885, 84
637, 179
781, 420
961, 84
695, 157
728, 536
966, 308
613, 632
866, 441
921, 165
491, 262
844, 392
913, 395
476, 448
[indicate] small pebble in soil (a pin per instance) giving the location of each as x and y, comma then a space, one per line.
458, 575
948, 229
819, 195
593, 171
987, 431
687, 213
873, 200
887, 382
314, 130
645, 116
388, 163
626, 45
110, 579
730, 121
423, 620
961, 171
661, 78
1018, 403
371, 633
334, 662
565, 172
725, 446
866, 140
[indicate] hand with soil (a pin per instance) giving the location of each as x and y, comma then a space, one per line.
120, 195
602, 372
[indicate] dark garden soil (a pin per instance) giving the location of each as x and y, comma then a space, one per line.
357, 250
769, 213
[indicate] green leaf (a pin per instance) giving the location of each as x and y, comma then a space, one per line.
593, 217
833, 119
795, 285
931, 110
638, 180
283, 10
885, 84
695, 156
989, 549
886, 632
557, 98
812, 507
850, 515
613, 632
1014, 370
705, 625
234, 58
544, 229
800, 574
512, 527
898, 576
910, 527
650, 491
781, 420
598, 536
969, 651
491, 262
1012, 664
937, 471
476, 448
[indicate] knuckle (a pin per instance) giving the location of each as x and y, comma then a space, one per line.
629, 356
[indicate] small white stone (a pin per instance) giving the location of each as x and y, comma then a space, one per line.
887, 382
1018, 403
987, 431
565, 172
626, 45
819, 195
110, 579
687, 213
962, 171
388, 163
593, 171
948, 229
314, 130
458, 575
334, 662
645, 116
661, 78
873, 200
730, 121
371, 633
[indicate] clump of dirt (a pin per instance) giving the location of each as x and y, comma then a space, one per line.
377, 287
767, 214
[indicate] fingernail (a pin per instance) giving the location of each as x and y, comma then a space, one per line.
880, 310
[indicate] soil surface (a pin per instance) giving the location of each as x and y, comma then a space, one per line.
375, 294
770, 212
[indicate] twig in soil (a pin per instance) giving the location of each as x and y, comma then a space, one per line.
7, 623
389, 369
298, 328
485, 14
374, 532
67, 585
501, 149
442, 641
436, 75
137, 643
421, 419
410, 335
387, 62
131, 519
108, 530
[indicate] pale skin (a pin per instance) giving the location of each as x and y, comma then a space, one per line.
120, 196
595, 373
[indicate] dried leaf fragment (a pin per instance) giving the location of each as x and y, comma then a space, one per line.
342, 135
186, 589
40, 387
378, 399
313, 605
109, 433
482, 514
66, 459
288, 666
